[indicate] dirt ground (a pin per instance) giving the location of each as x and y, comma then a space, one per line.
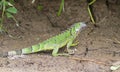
98, 48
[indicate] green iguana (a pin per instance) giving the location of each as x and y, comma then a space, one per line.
54, 43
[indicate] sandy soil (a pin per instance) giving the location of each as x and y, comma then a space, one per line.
98, 48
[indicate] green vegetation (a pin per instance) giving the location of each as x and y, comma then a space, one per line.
8, 10
39, 7
61, 8
90, 2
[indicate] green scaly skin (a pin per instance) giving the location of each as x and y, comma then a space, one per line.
54, 43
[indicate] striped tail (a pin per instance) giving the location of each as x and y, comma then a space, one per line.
4, 54
32, 49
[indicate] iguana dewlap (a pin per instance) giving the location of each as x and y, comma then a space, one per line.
66, 38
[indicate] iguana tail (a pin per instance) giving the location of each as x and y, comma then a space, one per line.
28, 50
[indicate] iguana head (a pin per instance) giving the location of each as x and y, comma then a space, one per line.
77, 27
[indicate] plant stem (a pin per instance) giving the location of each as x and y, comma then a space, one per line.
90, 11
17, 24
61, 7
3, 12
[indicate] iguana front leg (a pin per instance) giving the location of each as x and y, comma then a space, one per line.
75, 43
69, 44
55, 53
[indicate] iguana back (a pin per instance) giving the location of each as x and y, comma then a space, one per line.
55, 43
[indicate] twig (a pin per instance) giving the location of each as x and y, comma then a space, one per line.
117, 40
91, 60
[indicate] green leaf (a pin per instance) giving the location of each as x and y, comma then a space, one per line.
9, 15
40, 7
5, 3
12, 10
12, 1
10, 4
